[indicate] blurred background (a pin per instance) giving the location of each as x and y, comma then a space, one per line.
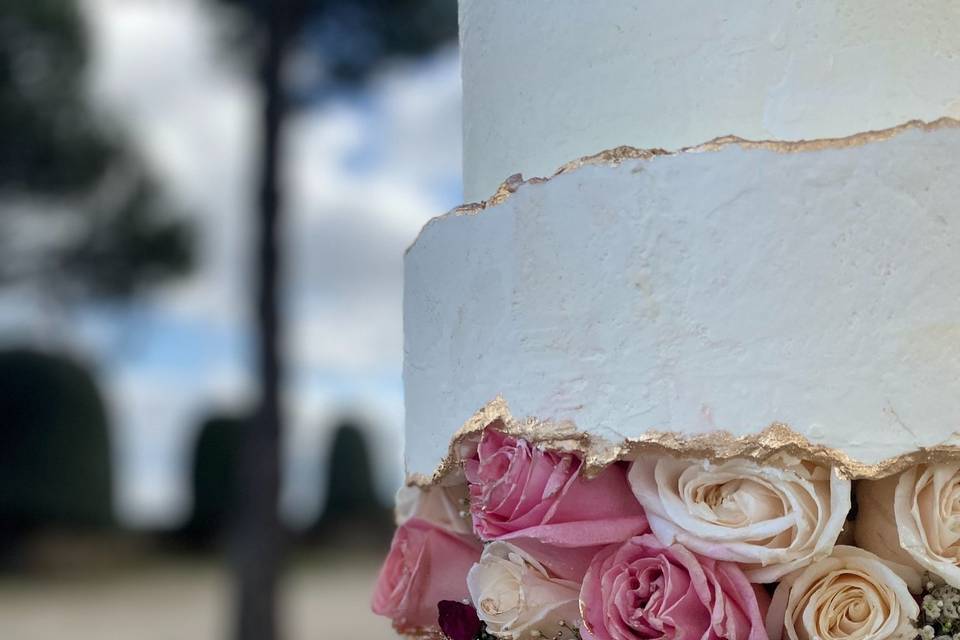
203, 210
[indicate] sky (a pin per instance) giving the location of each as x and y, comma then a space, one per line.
363, 173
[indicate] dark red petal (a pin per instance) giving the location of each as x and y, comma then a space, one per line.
458, 621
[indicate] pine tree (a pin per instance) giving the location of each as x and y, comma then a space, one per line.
64, 169
351, 38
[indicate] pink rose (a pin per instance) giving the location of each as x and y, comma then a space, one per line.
519, 490
569, 563
426, 564
644, 589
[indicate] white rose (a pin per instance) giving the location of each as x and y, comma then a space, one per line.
516, 595
770, 520
852, 594
914, 518
444, 505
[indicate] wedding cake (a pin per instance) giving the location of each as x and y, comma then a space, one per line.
702, 378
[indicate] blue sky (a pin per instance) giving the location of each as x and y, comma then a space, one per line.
364, 173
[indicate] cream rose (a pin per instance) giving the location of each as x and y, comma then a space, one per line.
770, 520
852, 594
516, 595
914, 518
445, 505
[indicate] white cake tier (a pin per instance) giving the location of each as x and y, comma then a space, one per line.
728, 287
549, 80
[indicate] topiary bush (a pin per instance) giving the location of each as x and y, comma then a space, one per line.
55, 461
353, 513
214, 477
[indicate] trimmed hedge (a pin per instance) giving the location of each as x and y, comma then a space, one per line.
55, 462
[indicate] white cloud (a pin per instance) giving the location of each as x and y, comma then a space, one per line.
362, 177
160, 68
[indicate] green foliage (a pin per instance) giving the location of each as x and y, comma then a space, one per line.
353, 513
126, 247
54, 444
352, 38
350, 491
51, 142
107, 230
214, 478
483, 634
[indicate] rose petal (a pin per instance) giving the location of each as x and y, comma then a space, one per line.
425, 564
521, 491
457, 621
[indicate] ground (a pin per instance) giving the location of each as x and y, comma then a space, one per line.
178, 599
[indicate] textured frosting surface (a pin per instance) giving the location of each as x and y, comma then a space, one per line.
549, 80
729, 289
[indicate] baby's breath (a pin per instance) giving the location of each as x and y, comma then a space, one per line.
939, 613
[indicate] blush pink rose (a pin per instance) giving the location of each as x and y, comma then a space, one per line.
644, 589
518, 490
568, 563
426, 564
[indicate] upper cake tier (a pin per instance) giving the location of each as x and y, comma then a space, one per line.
732, 286
546, 81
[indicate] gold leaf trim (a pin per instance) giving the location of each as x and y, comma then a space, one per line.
418, 633
771, 446
618, 155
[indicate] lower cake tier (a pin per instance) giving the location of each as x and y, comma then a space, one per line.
730, 287
517, 538
731, 373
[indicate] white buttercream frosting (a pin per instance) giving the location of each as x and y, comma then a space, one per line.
546, 81
725, 289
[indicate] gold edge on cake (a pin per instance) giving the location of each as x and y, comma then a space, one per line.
777, 442
618, 155
416, 633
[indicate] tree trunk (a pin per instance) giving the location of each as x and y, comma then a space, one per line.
257, 548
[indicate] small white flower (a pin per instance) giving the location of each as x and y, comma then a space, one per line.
931, 607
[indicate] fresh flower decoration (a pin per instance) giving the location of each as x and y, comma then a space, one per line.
770, 520
516, 596
914, 518
519, 545
644, 589
458, 620
426, 564
518, 490
445, 505
852, 594
939, 612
